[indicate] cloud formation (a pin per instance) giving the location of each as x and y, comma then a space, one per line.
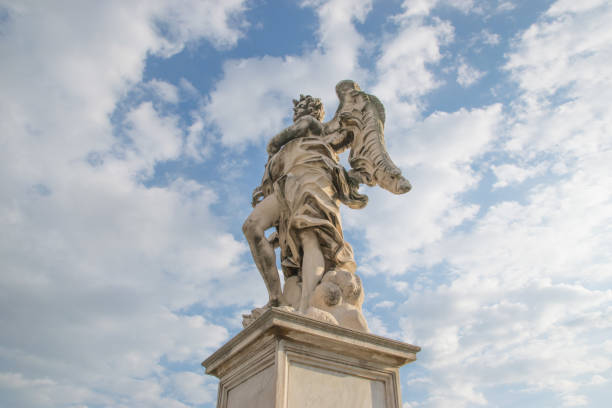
531, 278
97, 268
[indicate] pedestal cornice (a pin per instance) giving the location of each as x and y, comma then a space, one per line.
301, 329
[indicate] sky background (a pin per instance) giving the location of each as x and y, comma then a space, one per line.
133, 132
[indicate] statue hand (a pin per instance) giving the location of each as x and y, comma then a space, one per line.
345, 115
349, 119
356, 178
257, 197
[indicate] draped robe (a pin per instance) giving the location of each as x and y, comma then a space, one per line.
309, 184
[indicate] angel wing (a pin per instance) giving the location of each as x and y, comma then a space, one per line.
363, 116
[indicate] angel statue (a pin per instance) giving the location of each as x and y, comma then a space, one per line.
300, 195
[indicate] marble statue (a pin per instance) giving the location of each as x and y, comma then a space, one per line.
300, 195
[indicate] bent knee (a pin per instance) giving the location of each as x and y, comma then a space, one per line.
251, 228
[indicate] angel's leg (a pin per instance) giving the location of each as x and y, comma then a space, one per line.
264, 216
313, 266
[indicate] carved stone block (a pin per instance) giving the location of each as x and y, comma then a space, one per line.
286, 360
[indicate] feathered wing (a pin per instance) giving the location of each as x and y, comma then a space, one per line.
363, 116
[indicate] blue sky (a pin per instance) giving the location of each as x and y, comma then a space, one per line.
133, 133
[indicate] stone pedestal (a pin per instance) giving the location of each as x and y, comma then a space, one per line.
285, 360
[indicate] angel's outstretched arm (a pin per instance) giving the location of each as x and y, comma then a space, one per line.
340, 140
298, 129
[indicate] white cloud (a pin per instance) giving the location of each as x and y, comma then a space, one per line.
531, 277
468, 75
477, 334
464, 6
559, 64
385, 304
402, 69
153, 138
424, 7
597, 380
561, 7
187, 20
13, 380
487, 37
194, 146
575, 400
167, 92
378, 326
427, 7
490, 38
194, 388
99, 271
102, 268
510, 173
505, 6
418, 7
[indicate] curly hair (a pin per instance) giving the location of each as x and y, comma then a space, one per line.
312, 106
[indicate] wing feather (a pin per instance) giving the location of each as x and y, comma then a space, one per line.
363, 115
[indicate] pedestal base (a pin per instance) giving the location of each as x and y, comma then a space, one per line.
285, 360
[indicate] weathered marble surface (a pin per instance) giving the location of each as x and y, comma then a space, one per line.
286, 360
256, 392
300, 195
313, 387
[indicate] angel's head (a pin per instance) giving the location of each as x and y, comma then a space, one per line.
307, 105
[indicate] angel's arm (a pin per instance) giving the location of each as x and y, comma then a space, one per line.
340, 139
298, 129
337, 134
